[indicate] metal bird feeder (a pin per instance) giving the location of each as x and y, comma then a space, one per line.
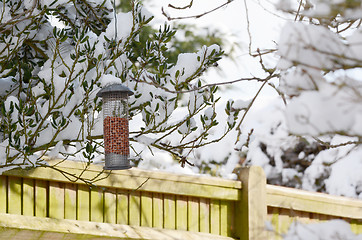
115, 126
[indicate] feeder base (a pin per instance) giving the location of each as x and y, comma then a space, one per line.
115, 161
116, 168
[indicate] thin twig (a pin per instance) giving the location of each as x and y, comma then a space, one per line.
195, 16
248, 26
182, 8
208, 85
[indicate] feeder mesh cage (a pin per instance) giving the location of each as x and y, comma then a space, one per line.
115, 130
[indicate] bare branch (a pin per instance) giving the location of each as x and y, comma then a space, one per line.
195, 16
181, 8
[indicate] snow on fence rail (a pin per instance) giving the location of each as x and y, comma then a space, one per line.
134, 204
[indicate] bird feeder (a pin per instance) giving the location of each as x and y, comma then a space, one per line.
115, 126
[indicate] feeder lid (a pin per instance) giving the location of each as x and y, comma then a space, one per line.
114, 88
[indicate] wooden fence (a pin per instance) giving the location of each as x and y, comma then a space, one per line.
44, 203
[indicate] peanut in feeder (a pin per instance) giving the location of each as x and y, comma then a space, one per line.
115, 126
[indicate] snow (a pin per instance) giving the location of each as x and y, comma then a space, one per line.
59, 147
187, 126
330, 230
315, 113
5, 85
108, 79
10, 106
344, 166
241, 104
189, 63
309, 45
120, 27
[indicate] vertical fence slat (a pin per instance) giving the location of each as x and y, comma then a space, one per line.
3, 194
15, 192
169, 211
226, 217
122, 206
223, 218
181, 212
83, 200
354, 226
134, 208
193, 214
56, 200
204, 215
215, 216
274, 213
41, 198
70, 201
157, 214
146, 209
110, 206
286, 217
96, 204
28, 197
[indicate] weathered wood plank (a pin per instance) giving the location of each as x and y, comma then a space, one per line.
136, 173
56, 200
204, 215
251, 211
215, 216
30, 228
285, 218
41, 198
70, 201
110, 206
28, 197
122, 206
3, 194
181, 212
83, 202
273, 217
356, 226
157, 215
143, 180
169, 212
226, 218
146, 209
193, 214
96, 204
135, 208
14, 195
300, 200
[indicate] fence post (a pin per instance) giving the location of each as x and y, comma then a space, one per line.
251, 210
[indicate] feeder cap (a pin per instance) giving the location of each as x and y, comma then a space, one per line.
114, 88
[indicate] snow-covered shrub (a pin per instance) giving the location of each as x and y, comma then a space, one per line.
55, 56
314, 141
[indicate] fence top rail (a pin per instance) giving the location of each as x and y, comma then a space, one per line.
136, 172
135, 179
321, 203
30, 228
